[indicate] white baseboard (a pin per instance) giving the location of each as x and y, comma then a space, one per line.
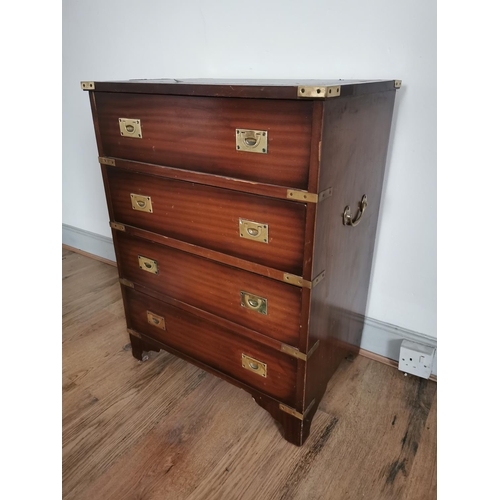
88, 242
381, 338
385, 339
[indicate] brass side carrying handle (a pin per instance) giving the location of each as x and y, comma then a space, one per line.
348, 220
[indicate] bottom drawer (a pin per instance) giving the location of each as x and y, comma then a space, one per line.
259, 366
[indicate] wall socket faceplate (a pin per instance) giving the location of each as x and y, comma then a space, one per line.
416, 359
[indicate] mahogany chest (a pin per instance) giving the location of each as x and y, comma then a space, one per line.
244, 216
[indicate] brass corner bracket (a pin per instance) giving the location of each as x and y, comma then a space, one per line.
107, 161
87, 85
295, 413
300, 281
313, 92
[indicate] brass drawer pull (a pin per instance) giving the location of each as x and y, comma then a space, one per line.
348, 220
141, 203
253, 302
254, 365
130, 127
252, 141
254, 231
155, 320
149, 265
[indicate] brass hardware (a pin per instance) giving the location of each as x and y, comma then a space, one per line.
130, 127
348, 220
253, 302
134, 333
325, 194
318, 278
87, 85
115, 225
255, 231
295, 413
155, 320
125, 282
297, 195
141, 203
299, 281
252, 141
254, 365
295, 280
106, 161
397, 84
149, 265
318, 92
293, 351
319, 152
312, 349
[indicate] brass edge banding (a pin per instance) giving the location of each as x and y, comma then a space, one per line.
295, 413
318, 92
87, 85
116, 225
297, 195
125, 282
107, 161
325, 194
397, 84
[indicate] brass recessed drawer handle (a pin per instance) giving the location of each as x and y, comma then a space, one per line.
253, 302
348, 220
256, 231
251, 141
156, 320
141, 203
254, 365
149, 265
130, 127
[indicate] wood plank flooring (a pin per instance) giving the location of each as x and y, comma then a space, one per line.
164, 429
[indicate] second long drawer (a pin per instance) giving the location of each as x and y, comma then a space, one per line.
262, 304
264, 230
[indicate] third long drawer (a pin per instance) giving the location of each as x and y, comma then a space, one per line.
262, 304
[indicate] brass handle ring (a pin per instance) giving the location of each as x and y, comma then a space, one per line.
348, 220
254, 231
253, 303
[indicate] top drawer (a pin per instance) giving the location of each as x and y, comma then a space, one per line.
199, 133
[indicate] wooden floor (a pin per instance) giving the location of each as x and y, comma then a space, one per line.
164, 429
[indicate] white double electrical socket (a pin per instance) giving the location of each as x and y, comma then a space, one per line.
416, 359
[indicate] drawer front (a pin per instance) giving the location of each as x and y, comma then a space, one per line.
210, 217
199, 133
262, 304
213, 345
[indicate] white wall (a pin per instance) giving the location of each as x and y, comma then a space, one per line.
367, 39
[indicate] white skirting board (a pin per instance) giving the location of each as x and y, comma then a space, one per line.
378, 337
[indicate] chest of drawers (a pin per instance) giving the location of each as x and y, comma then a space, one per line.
244, 216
